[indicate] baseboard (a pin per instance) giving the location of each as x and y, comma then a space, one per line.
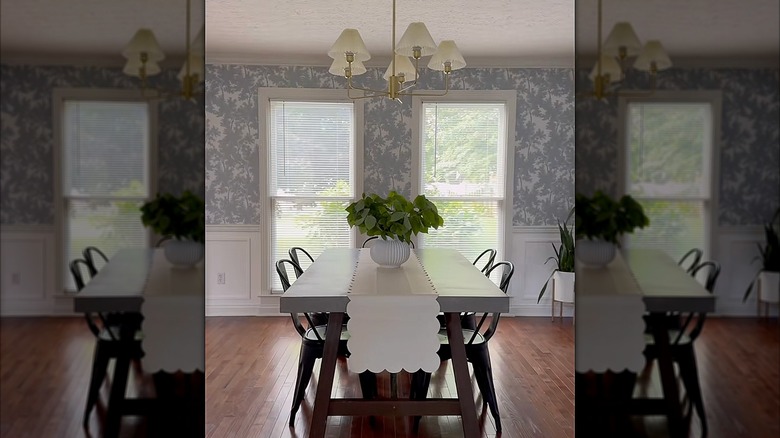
242, 310
540, 310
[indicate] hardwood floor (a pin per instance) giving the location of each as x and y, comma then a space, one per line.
251, 363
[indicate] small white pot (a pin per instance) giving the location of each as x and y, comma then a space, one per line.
184, 253
563, 286
769, 287
389, 253
594, 253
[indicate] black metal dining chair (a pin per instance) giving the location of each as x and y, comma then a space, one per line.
92, 255
694, 255
108, 343
491, 258
313, 345
294, 256
681, 341
477, 353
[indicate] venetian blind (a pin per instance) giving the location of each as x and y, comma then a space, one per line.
311, 175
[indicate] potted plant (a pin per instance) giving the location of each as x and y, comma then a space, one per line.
600, 221
182, 218
563, 274
395, 219
768, 278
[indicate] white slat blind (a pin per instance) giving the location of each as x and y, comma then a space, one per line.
312, 176
106, 175
463, 168
668, 162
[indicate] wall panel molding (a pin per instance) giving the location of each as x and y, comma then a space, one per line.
27, 270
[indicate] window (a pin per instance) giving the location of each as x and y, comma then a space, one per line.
312, 154
105, 155
464, 167
670, 145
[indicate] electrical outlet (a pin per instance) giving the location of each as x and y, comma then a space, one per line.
220, 278
16, 278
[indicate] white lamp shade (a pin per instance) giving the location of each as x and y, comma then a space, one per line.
196, 67
447, 52
144, 42
622, 35
416, 35
349, 41
609, 66
133, 67
403, 67
340, 64
653, 52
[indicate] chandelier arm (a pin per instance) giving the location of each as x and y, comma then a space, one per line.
446, 90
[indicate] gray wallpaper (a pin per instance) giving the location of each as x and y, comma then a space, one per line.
544, 147
749, 190
27, 137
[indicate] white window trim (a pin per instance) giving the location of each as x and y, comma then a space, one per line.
715, 99
59, 96
509, 99
265, 95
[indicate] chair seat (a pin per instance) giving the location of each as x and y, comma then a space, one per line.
105, 335
310, 336
684, 339
467, 334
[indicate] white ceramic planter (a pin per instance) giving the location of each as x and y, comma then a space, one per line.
389, 253
563, 286
594, 253
184, 253
769, 287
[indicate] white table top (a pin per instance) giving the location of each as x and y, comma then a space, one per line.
458, 284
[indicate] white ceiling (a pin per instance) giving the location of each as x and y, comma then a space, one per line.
488, 32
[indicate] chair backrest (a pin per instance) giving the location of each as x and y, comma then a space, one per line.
368, 242
76, 270
507, 271
91, 254
695, 255
284, 278
491, 258
298, 266
694, 328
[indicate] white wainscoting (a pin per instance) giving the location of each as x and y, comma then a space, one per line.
736, 251
27, 270
531, 247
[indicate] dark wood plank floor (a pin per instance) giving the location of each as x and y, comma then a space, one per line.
251, 362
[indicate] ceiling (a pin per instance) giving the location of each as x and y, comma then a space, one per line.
488, 32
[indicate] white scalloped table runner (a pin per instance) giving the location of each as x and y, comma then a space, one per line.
610, 328
392, 323
173, 325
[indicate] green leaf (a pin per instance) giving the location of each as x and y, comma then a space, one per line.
370, 222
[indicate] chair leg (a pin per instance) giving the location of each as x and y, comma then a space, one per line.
481, 362
690, 377
305, 367
368, 386
418, 391
99, 369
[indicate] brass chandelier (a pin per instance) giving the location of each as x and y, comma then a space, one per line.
143, 54
349, 52
622, 43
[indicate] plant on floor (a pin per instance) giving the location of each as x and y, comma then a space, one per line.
564, 254
182, 217
394, 217
602, 218
769, 253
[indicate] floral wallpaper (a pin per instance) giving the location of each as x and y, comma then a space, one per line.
749, 171
544, 146
27, 137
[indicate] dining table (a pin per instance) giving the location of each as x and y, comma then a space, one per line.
340, 276
613, 303
171, 300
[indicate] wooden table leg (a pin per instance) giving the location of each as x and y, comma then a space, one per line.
319, 419
668, 379
117, 397
461, 370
